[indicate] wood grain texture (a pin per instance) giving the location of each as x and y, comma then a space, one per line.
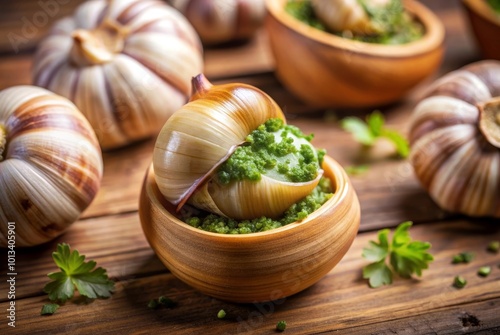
341, 301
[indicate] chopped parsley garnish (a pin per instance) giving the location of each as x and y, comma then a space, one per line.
76, 273
367, 133
406, 257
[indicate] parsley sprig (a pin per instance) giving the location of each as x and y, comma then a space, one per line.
76, 273
406, 257
367, 133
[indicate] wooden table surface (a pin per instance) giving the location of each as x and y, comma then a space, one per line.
342, 302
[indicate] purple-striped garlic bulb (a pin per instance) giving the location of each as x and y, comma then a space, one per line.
221, 21
126, 64
455, 140
50, 165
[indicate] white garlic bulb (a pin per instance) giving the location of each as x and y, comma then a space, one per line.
455, 140
50, 164
126, 64
349, 15
220, 21
200, 136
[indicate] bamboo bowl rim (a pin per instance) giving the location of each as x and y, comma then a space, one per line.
332, 169
481, 8
432, 39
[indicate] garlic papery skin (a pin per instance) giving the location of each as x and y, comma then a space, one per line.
202, 135
50, 167
454, 133
348, 15
222, 21
127, 65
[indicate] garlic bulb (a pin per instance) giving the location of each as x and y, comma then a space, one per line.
455, 140
343, 15
203, 134
126, 64
220, 21
50, 164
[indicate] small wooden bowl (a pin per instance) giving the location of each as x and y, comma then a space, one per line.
326, 70
485, 26
255, 267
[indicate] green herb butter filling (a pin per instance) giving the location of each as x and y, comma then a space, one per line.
278, 151
395, 25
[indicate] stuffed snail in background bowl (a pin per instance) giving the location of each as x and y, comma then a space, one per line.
127, 65
240, 205
50, 165
455, 140
373, 55
222, 21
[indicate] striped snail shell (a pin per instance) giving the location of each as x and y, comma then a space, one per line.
50, 164
126, 64
455, 140
200, 136
221, 21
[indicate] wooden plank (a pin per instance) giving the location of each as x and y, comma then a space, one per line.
341, 300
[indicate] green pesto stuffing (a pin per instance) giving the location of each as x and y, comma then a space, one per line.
276, 150
395, 24
495, 5
297, 212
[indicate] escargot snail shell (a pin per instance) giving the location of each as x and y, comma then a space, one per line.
202, 135
50, 164
220, 21
342, 15
455, 140
126, 64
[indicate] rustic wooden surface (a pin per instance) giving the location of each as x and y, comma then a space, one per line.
109, 231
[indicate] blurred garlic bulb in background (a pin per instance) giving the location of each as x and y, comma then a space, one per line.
350, 15
455, 140
50, 164
220, 21
202, 135
127, 65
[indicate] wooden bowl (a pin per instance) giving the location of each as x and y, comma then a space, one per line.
485, 26
254, 267
326, 70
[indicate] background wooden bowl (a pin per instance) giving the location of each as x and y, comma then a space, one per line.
330, 71
254, 267
485, 26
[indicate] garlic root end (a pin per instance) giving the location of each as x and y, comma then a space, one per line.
489, 121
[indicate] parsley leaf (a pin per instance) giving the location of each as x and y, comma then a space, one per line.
75, 272
406, 257
367, 132
49, 309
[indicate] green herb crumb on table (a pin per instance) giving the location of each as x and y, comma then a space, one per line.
49, 309
493, 246
281, 326
221, 314
463, 257
167, 302
484, 271
153, 303
459, 282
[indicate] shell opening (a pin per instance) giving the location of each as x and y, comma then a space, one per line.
3, 141
98, 46
489, 121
